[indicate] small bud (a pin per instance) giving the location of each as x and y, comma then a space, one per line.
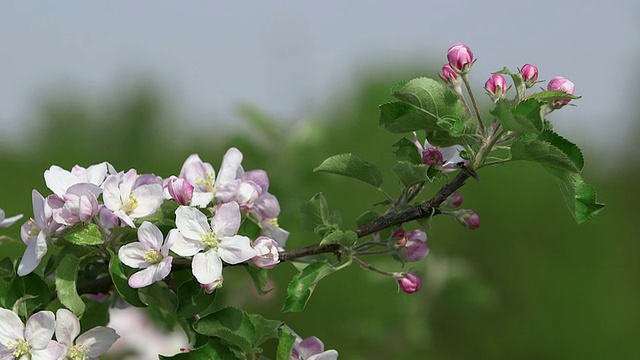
453, 201
529, 74
449, 75
468, 218
559, 83
409, 283
267, 249
179, 189
496, 87
460, 58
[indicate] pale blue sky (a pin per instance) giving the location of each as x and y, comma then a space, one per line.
289, 57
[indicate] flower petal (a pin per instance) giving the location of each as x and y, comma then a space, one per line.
230, 168
310, 346
133, 255
183, 246
206, 266
58, 179
67, 327
98, 340
150, 235
149, 198
30, 259
191, 222
11, 327
53, 350
327, 355
226, 220
151, 274
236, 249
39, 329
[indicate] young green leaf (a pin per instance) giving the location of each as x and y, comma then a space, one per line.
31, 288
526, 117
550, 95
285, 345
121, 283
314, 212
543, 153
406, 151
580, 197
399, 117
410, 174
85, 235
259, 277
570, 149
212, 350
352, 166
66, 276
193, 300
231, 325
340, 237
302, 285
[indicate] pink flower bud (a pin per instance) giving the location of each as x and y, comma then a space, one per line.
529, 74
453, 201
267, 250
409, 283
449, 75
468, 218
496, 86
559, 83
432, 156
179, 189
460, 57
414, 244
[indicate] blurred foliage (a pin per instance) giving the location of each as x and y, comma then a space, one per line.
528, 284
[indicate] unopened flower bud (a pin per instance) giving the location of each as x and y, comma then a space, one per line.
496, 87
559, 83
414, 244
460, 57
179, 189
468, 218
529, 74
409, 283
267, 250
453, 201
449, 75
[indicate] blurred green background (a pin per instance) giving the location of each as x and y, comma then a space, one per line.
528, 284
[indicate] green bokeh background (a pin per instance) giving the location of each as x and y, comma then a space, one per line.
528, 284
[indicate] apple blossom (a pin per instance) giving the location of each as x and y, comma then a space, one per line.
79, 204
559, 83
311, 348
30, 341
210, 244
6, 222
179, 190
408, 282
130, 198
35, 233
414, 244
202, 176
529, 75
59, 180
267, 249
91, 344
148, 253
445, 159
460, 57
496, 87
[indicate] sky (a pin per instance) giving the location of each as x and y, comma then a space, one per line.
292, 57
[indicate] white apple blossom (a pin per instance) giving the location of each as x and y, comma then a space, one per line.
89, 345
148, 253
30, 342
445, 159
130, 197
59, 179
6, 222
311, 348
79, 204
35, 233
210, 244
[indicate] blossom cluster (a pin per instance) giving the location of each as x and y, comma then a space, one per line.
102, 196
34, 340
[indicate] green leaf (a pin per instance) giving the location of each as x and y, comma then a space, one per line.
340, 237
432, 98
193, 300
66, 276
95, 314
526, 117
84, 235
285, 345
543, 153
265, 329
455, 126
302, 285
231, 325
399, 117
315, 216
120, 281
350, 165
249, 229
549, 95
161, 305
406, 150
570, 149
31, 288
211, 350
259, 277
580, 197
410, 174
442, 138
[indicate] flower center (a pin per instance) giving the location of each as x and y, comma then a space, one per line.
432, 156
274, 222
210, 239
20, 347
206, 184
33, 229
130, 205
77, 352
152, 256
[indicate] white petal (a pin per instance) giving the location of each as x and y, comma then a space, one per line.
58, 179
150, 235
191, 222
39, 213
39, 329
206, 267
133, 255
226, 220
53, 350
236, 249
149, 199
327, 355
30, 259
183, 246
67, 327
11, 327
151, 274
98, 340
6, 354
95, 174
111, 192
201, 198
9, 221
230, 167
